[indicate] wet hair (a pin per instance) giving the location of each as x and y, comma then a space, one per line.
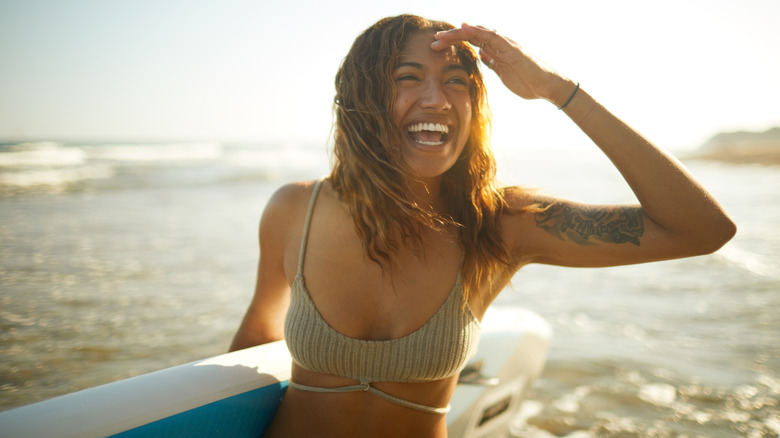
370, 175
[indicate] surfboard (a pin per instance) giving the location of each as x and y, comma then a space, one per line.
236, 394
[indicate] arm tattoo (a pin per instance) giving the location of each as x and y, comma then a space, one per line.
578, 224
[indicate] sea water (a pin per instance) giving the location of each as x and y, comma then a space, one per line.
121, 259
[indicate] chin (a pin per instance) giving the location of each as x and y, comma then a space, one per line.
429, 171
429, 164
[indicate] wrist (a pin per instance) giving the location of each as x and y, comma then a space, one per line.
571, 97
563, 92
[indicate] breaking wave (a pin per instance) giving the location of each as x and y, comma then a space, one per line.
48, 166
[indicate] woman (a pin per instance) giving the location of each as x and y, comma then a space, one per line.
410, 238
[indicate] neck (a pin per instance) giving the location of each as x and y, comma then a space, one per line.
427, 193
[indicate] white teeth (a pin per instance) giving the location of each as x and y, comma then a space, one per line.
436, 127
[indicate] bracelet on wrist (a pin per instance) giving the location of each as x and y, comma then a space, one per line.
568, 101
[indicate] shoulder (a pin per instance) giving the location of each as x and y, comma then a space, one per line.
290, 198
521, 199
291, 194
519, 221
286, 208
526, 203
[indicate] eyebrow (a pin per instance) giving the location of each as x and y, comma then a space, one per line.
417, 65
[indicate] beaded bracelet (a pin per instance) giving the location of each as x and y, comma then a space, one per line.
570, 97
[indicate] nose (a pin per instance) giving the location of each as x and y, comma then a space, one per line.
435, 97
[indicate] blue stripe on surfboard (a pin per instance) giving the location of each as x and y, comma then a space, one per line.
243, 415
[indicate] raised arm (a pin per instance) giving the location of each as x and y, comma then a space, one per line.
677, 217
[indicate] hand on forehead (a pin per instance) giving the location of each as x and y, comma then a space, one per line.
477, 36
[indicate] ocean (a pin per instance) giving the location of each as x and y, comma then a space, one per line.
118, 259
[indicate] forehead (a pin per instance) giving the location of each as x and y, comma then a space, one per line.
418, 48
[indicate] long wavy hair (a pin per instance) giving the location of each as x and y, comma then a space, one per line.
371, 176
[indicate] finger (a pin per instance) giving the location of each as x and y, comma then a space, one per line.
471, 34
485, 57
489, 61
475, 35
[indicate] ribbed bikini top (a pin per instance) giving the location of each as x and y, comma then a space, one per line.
437, 350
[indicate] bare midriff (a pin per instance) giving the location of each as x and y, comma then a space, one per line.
306, 414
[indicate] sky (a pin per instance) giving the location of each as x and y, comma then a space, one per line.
236, 70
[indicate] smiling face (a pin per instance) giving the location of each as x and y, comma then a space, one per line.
432, 106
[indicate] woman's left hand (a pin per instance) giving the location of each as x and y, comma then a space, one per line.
523, 74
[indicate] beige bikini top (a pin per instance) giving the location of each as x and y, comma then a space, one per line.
437, 350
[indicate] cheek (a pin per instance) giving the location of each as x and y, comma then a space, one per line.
467, 111
400, 107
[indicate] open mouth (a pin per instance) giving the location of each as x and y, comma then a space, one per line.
428, 134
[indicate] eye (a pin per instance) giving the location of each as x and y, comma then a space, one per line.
407, 77
458, 81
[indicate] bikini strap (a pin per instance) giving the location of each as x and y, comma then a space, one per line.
366, 387
306, 224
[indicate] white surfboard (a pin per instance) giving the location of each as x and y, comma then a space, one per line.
236, 394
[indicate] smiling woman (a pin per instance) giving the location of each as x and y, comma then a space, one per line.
377, 132
378, 276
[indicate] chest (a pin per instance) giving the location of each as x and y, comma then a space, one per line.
362, 299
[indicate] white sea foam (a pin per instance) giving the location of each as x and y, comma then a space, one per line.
41, 154
54, 178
